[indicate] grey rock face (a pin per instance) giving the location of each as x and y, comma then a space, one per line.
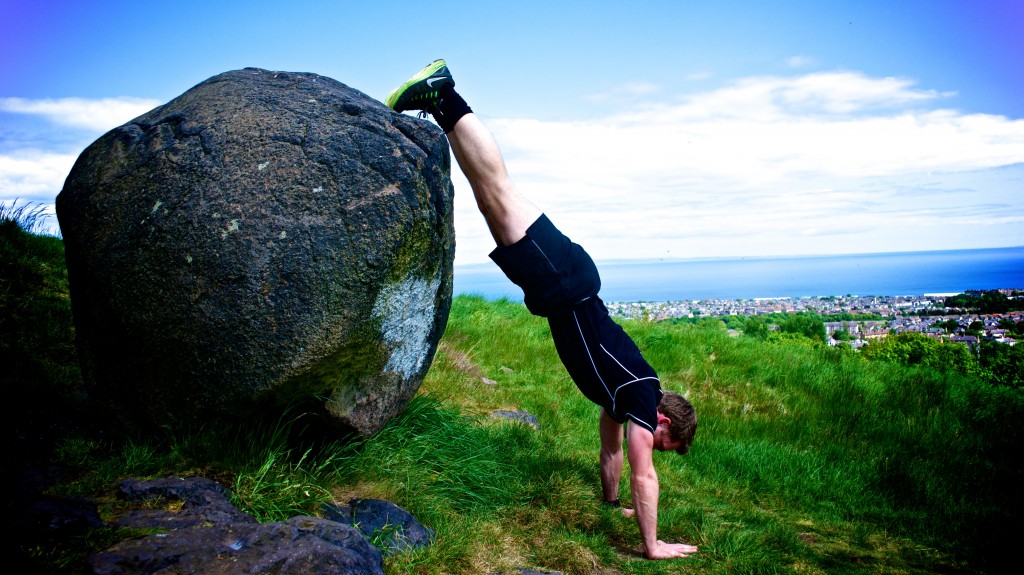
264, 238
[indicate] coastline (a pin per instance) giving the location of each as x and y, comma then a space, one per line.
887, 274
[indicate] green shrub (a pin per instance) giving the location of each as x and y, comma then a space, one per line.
755, 327
1002, 364
918, 349
808, 325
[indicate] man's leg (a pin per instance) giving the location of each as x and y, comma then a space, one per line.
508, 213
611, 456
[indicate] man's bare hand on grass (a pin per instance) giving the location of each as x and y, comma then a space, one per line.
670, 550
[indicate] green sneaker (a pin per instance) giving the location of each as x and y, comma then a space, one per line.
422, 90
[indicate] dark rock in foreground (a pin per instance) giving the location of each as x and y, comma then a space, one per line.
204, 502
207, 534
298, 546
395, 527
264, 238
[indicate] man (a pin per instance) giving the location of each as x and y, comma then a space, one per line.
560, 282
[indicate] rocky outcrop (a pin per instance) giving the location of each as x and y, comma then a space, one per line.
298, 546
264, 238
203, 502
207, 534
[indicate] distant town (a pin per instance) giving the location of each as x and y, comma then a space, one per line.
899, 314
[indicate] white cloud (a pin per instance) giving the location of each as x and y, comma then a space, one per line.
758, 166
764, 131
103, 114
33, 175
35, 172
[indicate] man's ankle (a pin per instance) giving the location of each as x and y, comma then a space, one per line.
450, 108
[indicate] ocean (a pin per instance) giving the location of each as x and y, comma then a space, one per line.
907, 273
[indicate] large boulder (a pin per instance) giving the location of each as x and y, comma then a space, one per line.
266, 238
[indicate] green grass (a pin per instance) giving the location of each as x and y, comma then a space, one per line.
807, 460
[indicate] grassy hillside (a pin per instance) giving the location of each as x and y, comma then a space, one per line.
807, 460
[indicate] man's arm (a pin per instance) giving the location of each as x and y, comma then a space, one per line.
644, 483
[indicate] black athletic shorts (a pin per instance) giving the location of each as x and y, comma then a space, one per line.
553, 272
560, 282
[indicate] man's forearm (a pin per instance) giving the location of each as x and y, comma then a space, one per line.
645, 501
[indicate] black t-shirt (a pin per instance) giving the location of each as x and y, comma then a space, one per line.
606, 364
561, 282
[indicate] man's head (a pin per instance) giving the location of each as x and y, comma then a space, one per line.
677, 423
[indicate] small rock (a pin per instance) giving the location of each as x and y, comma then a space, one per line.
520, 416
488, 381
397, 529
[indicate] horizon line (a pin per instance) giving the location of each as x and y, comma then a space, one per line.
650, 260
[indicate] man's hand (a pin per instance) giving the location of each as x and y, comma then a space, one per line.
670, 550
664, 550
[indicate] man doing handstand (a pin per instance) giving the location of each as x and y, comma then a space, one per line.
560, 282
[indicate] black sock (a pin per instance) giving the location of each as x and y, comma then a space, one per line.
450, 108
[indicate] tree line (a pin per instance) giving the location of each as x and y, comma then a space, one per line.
986, 302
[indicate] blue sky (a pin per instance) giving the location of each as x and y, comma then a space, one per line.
645, 129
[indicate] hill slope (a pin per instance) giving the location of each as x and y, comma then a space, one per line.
806, 459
